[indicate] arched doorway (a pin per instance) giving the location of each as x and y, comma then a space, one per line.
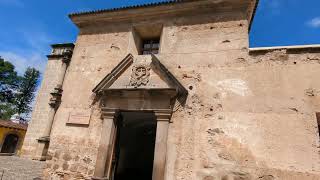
10, 143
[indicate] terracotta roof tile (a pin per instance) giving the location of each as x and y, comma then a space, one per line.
129, 7
10, 124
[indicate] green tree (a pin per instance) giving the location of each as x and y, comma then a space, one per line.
26, 91
8, 84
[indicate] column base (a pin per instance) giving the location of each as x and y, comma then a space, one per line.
42, 158
44, 139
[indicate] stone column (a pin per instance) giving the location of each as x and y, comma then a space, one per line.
160, 152
105, 145
55, 100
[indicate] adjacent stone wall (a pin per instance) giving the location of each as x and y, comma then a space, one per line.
73, 149
40, 113
248, 116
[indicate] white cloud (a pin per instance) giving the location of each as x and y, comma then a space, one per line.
315, 22
39, 41
22, 61
33, 54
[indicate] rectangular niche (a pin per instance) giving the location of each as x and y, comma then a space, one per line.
147, 38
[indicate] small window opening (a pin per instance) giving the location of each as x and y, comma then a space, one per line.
318, 121
147, 38
150, 46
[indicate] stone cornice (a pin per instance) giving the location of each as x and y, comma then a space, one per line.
54, 56
63, 45
61, 51
111, 77
137, 13
161, 114
127, 7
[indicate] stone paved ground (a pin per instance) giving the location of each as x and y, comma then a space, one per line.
15, 168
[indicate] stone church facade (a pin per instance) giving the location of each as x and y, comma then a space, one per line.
173, 91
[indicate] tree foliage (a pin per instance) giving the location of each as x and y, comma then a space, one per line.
8, 81
26, 90
8, 85
16, 92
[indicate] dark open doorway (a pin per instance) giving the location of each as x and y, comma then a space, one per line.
10, 144
134, 148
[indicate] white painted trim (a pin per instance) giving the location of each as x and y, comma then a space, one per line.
294, 47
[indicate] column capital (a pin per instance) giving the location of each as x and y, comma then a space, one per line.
107, 113
62, 52
163, 115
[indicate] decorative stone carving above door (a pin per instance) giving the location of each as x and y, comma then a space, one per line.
140, 75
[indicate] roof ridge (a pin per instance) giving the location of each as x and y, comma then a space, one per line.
10, 124
151, 4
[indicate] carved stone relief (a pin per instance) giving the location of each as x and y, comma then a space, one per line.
140, 75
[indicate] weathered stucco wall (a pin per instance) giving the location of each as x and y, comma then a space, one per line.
246, 117
4, 131
249, 116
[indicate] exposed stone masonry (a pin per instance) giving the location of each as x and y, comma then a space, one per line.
60, 57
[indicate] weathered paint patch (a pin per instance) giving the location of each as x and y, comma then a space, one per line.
236, 86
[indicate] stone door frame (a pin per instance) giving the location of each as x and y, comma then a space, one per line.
159, 102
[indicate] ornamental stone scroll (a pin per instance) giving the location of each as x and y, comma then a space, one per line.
140, 75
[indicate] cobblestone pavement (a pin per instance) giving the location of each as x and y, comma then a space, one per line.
15, 168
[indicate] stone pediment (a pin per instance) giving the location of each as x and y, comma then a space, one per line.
143, 72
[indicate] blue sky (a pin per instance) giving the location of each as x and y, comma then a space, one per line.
28, 27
